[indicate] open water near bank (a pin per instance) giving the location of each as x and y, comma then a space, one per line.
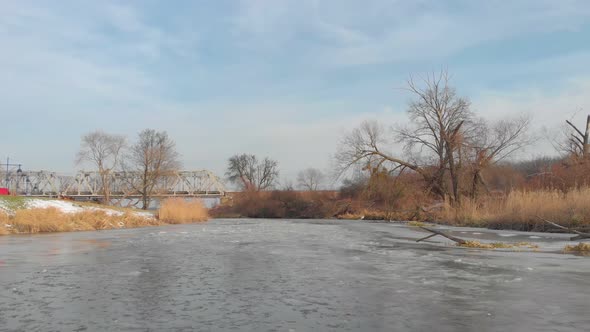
280, 275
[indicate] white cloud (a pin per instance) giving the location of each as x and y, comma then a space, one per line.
66, 71
392, 31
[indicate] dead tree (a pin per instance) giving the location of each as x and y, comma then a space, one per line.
579, 141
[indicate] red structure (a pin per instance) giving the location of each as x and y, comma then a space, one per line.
4, 192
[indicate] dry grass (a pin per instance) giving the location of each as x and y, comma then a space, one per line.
497, 245
475, 244
520, 209
365, 214
4, 223
351, 216
582, 248
179, 210
29, 221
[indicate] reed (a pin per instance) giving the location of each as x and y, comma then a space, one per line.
522, 209
29, 221
180, 211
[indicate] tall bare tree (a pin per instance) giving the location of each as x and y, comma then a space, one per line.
310, 179
250, 173
103, 151
154, 157
440, 122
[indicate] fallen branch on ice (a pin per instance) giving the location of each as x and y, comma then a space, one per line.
435, 233
580, 235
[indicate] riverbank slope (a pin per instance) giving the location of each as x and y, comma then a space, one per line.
25, 215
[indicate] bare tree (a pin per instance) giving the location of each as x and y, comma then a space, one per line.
154, 156
250, 173
440, 122
367, 144
494, 143
310, 179
103, 151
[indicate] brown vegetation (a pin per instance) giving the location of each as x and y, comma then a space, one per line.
180, 211
521, 210
497, 245
452, 170
582, 248
516, 202
283, 204
53, 220
44, 220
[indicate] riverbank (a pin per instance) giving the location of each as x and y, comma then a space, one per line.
516, 210
23, 215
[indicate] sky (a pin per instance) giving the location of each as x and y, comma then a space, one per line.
277, 78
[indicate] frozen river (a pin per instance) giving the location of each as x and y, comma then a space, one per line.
277, 275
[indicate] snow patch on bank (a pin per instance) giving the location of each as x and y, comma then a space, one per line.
63, 206
68, 207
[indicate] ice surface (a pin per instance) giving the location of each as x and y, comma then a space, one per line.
315, 275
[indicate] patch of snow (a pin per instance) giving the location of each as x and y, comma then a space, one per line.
507, 235
63, 206
73, 207
107, 211
144, 214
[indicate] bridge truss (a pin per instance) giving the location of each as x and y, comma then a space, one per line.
201, 183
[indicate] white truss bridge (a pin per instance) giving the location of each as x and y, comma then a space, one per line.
88, 185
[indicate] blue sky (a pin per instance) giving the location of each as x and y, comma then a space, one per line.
284, 79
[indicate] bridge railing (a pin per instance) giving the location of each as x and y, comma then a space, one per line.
121, 184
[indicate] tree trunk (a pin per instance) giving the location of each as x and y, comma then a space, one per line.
586, 138
144, 193
106, 188
454, 175
474, 189
450, 145
436, 232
